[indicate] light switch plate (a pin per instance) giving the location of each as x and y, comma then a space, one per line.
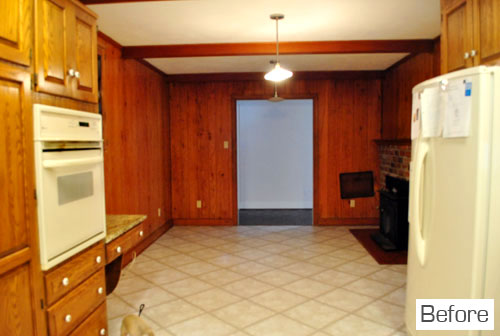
198, 204
159, 212
226, 144
352, 203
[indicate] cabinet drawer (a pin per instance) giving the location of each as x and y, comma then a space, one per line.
124, 243
95, 325
67, 276
71, 310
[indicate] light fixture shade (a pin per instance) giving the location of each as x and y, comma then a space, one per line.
278, 74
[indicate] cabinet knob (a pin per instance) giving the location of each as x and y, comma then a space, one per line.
67, 318
100, 290
77, 74
473, 53
119, 249
71, 72
102, 332
141, 233
98, 259
466, 55
65, 281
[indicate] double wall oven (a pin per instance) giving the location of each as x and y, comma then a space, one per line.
69, 182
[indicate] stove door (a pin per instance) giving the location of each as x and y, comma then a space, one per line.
71, 203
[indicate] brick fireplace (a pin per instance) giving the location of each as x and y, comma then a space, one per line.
394, 156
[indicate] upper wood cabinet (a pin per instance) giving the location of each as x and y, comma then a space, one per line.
470, 33
16, 31
487, 30
66, 50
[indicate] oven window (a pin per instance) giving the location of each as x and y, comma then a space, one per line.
75, 187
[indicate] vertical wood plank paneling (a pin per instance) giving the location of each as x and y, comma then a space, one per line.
397, 97
136, 133
347, 120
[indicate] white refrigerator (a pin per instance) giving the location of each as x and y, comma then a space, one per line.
454, 209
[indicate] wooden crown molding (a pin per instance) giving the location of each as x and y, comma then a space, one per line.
286, 48
259, 76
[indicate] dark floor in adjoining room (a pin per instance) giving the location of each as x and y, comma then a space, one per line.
275, 217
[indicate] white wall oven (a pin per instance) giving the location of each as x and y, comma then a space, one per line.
69, 182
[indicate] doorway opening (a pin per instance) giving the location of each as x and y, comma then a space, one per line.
275, 162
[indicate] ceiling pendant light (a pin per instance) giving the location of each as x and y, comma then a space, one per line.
276, 98
278, 73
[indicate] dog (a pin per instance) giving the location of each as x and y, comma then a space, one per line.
133, 325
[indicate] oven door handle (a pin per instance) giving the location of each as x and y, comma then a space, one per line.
71, 162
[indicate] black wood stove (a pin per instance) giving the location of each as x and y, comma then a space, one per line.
393, 232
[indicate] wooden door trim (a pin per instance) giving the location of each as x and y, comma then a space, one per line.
234, 153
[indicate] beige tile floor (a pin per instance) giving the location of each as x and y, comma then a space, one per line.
293, 281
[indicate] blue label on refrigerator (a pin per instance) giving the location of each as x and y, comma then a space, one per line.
468, 89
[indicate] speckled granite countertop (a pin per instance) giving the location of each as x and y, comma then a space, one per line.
116, 225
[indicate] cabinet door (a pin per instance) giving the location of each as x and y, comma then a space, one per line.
54, 20
16, 36
20, 276
85, 83
456, 41
486, 30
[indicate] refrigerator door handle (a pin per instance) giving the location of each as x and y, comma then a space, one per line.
420, 243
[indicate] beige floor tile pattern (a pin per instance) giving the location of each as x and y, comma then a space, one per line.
261, 281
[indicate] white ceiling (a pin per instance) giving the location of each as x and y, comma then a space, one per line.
337, 62
227, 21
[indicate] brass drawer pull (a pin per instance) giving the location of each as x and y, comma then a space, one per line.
100, 290
65, 281
98, 259
119, 249
67, 318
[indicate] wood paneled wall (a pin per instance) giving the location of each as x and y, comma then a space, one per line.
397, 91
136, 137
202, 114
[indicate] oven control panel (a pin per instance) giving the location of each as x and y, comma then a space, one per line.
58, 124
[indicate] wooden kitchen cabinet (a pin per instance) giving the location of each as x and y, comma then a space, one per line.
487, 30
470, 33
75, 293
64, 278
124, 243
16, 31
73, 309
66, 50
21, 284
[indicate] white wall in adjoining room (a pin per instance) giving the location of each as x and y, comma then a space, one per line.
275, 154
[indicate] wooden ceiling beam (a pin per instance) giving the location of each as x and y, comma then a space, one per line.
259, 76
100, 2
286, 48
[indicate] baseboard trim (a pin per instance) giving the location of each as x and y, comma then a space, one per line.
349, 221
203, 222
137, 250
